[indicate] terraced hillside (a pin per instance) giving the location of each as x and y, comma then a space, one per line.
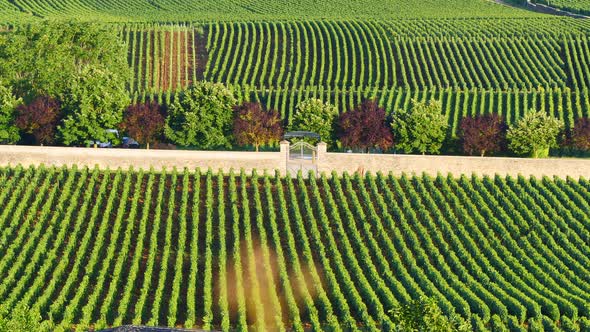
475, 56
417, 54
473, 66
574, 6
183, 10
98, 248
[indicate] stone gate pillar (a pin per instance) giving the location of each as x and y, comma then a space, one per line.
284, 151
322, 150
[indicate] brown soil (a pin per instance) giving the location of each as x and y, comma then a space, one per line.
202, 56
165, 61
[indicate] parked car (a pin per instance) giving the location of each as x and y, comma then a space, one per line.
126, 142
130, 143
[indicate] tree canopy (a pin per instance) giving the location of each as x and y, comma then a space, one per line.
482, 134
82, 65
365, 127
92, 104
534, 134
581, 134
255, 126
422, 129
316, 116
201, 116
45, 58
8, 104
143, 122
39, 119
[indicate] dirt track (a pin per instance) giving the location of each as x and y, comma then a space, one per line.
540, 8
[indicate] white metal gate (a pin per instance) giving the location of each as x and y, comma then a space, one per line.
302, 157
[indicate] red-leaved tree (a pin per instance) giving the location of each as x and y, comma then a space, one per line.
365, 127
483, 134
255, 126
143, 122
581, 134
39, 119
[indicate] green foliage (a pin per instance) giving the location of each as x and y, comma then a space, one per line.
536, 324
8, 105
316, 116
46, 58
497, 324
91, 105
280, 63
514, 325
83, 65
425, 315
21, 319
478, 324
584, 324
164, 10
422, 129
567, 325
574, 6
534, 134
359, 245
201, 116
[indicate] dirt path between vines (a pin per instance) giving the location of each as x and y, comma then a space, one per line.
540, 8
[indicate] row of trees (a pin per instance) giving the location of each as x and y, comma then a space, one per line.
423, 129
65, 83
208, 116
533, 135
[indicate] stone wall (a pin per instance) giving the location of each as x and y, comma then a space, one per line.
398, 164
125, 158
326, 162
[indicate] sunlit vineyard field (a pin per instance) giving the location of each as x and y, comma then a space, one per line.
489, 54
575, 6
473, 66
95, 248
168, 10
475, 56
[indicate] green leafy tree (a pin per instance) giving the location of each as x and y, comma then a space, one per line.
22, 319
534, 134
45, 58
82, 65
8, 106
316, 116
424, 315
91, 105
201, 116
422, 129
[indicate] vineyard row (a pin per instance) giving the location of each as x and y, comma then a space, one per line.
97, 248
350, 54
